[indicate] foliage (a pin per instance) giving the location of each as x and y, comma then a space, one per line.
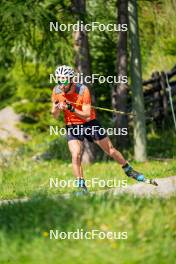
157, 23
30, 51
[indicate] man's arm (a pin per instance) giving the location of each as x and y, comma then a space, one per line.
85, 113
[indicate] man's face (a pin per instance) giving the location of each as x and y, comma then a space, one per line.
64, 83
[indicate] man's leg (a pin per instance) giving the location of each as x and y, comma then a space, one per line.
107, 147
75, 147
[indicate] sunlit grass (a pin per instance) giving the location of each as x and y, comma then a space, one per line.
25, 177
150, 224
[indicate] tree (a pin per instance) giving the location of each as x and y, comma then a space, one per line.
119, 97
25, 44
82, 62
136, 84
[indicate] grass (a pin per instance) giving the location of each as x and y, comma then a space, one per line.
25, 177
149, 223
25, 227
21, 175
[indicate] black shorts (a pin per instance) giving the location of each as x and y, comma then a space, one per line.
91, 130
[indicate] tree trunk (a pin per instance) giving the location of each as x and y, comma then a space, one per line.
136, 83
119, 100
82, 62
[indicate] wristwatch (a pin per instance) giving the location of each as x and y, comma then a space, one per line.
70, 107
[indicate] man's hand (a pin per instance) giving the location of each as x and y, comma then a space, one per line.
61, 106
56, 108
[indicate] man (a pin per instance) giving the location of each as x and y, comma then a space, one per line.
80, 119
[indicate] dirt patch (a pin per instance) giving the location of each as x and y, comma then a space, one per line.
8, 125
166, 187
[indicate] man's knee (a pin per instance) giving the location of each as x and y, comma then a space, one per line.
76, 157
111, 151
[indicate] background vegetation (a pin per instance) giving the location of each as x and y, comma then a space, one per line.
30, 52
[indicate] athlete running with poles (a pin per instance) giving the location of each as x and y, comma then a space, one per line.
75, 101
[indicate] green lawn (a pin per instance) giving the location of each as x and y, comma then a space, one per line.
149, 223
21, 175
24, 227
25, 177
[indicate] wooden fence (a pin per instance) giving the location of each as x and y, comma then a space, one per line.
156, 97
